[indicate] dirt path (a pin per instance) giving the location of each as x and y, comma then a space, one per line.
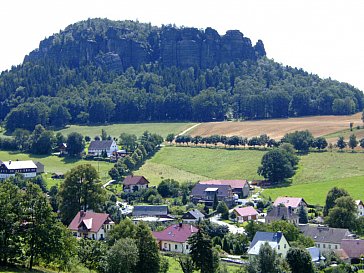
188, 129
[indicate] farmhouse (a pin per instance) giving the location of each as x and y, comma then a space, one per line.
133, 183
205, 193
282, 213
175, 238
240, 187
325, 238
293, 202
10, 168
246, 214
193, 216
92, 225
97, 147
276, 240
360, 206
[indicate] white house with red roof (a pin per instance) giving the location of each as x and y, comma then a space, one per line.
240, 187
246, 214
175, 238
92, 225
294, 202
133, 183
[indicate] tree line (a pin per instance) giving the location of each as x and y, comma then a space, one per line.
54, 96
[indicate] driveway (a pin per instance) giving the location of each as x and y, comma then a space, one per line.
232, 228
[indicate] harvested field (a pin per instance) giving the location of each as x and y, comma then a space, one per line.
277, 128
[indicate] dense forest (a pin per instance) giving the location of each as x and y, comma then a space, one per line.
100, 71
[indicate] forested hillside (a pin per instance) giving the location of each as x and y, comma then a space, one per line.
98, 71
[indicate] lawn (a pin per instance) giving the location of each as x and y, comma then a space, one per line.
315, 193
59, 164
137, 129
16, 269
197, 163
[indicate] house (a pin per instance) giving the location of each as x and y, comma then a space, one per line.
62, 148
175, 238
354, 248
193, 216
282, 213
294, 202
97, 147
40, 167
151, 211
10, 168
276, 240
240, 187
58, 175
360, 206
246, 214
316, 255
133, 183
325, 238
205, 193
92, 225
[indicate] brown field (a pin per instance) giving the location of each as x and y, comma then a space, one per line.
277, 128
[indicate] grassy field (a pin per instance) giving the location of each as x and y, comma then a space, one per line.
277, 128
197, 163
59, 164
115, 130
14, 269
315, 193
359, 133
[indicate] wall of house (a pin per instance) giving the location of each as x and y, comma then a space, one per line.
26, 175
324, 246
283, 247
360, 210
242, 219
175, 247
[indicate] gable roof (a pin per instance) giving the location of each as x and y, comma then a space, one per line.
150, 211
18, 165
222, 190
91, 220
353, 248
325, 234
100, 144
281, 213
135, 180
195, 214
175, 233
359, 202
293, 202
246, 211
264, 236
234, 184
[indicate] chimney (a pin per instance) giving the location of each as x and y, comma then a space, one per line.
82, 213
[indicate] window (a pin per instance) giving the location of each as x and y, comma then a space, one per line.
329, 246
285, 246
335, 246
318, 245
186, 246
324, 246
175, 246
279, 247
93, 236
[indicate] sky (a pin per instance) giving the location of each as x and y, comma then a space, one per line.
323, 37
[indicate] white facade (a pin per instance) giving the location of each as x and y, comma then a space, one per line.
100, 235
324, 246
109, 151
134, 188
175, 247
281, 248
360, 206
9, 168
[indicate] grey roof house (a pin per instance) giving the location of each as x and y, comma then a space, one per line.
282, 213
193, 216
97, 147
205, 193
276, 240
326, 238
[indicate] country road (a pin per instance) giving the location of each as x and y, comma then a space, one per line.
188, 129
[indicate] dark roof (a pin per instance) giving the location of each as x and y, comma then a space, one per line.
193, 214
223, 190
266, 237
100, 144
91, 220
150, 211
325, 234
353, 248
281, 213
175, 233
135, 180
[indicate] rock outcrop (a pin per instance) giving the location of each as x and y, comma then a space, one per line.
117, 49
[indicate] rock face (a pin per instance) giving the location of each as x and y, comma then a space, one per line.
117, 49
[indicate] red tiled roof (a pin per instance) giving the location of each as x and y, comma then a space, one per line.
92, 220
135, 180
175, 233
234, 184
353, 248
246, 211
293, 202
